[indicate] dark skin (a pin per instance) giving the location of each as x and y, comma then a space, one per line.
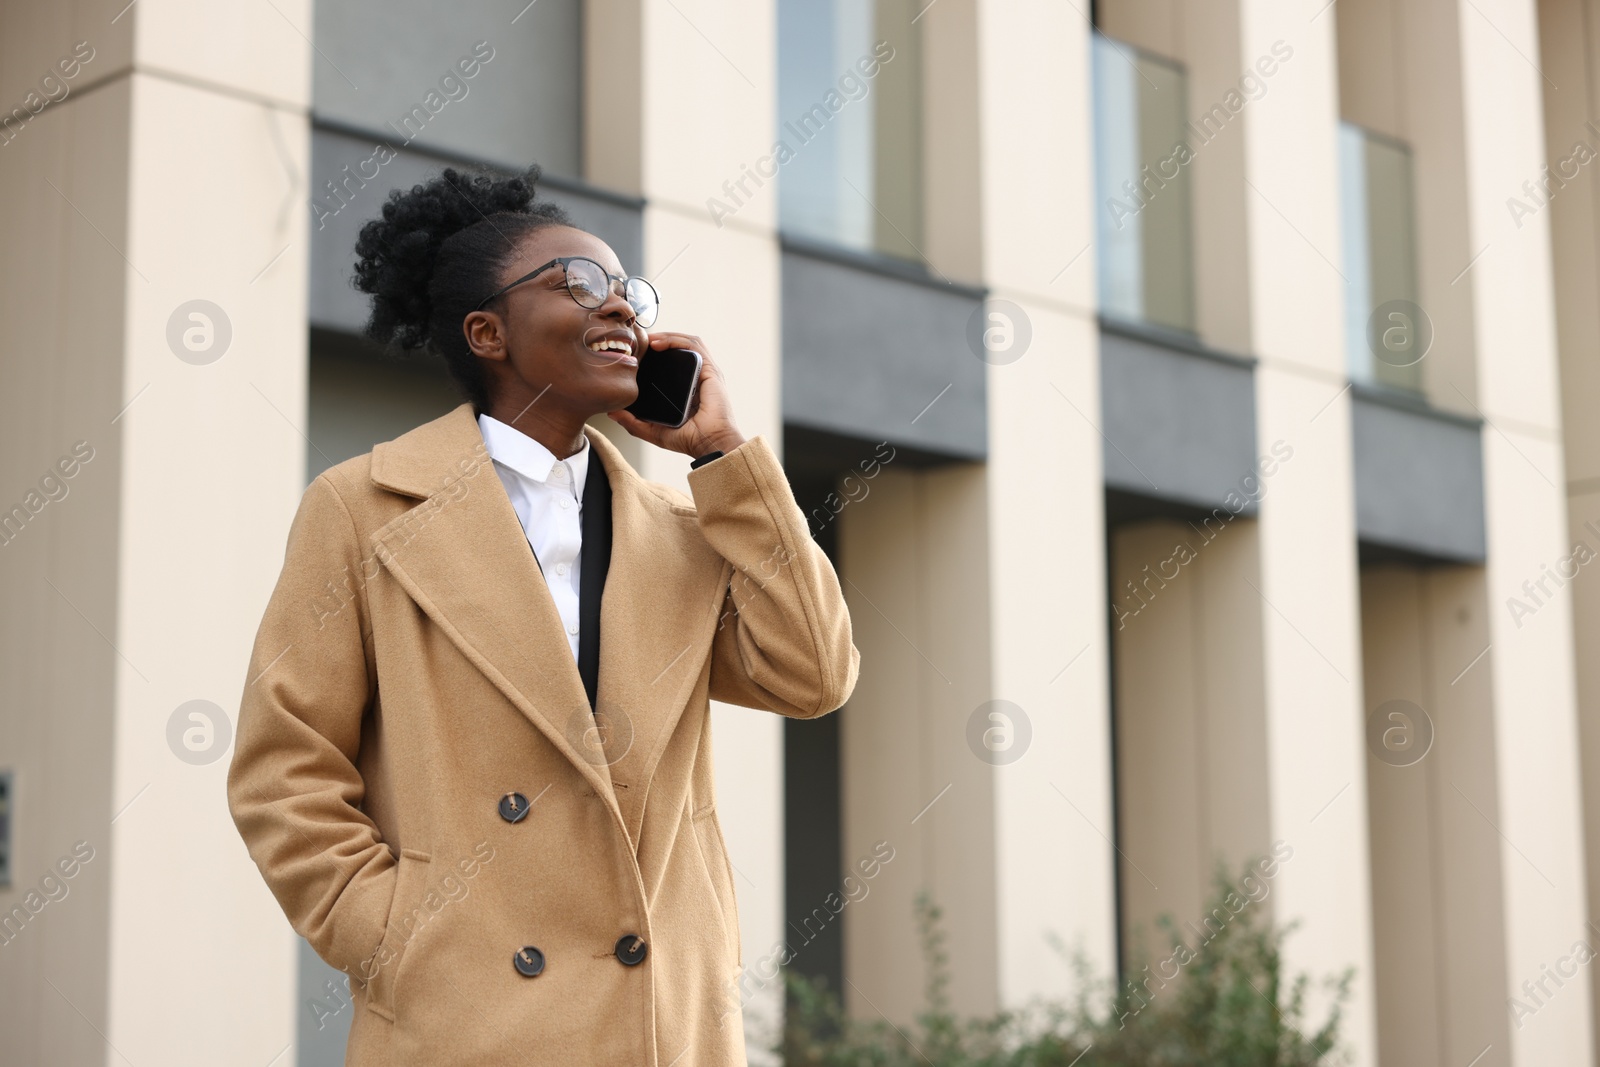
546, 381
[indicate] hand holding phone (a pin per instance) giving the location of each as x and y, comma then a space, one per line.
668, 386
682, 403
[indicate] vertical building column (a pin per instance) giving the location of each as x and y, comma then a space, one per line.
1307, 585
1262, 137
1053, 812
913, 549
1526, 670
1431, 780
160, 299
917, 553
1569, 52
213, 376
64, 168
1191, 741
1499, 792
979, 741
1530, 640
703, 123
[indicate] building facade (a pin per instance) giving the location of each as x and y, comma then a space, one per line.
1196, 399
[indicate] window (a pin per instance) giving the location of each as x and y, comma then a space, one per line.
1386, 335
850, 124
1142, 191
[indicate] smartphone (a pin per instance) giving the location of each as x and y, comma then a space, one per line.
667, 379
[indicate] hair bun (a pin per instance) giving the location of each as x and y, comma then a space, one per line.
397, 252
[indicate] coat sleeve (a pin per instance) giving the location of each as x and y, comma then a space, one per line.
783, 640
293, 786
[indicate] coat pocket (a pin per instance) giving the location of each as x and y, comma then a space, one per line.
383, 970
708, 836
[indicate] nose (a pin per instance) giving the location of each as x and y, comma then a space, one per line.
616, 305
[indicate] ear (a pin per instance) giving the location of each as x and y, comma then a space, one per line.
486, 334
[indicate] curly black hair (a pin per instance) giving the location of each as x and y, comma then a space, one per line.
436, 252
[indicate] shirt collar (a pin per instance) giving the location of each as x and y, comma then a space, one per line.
512, 448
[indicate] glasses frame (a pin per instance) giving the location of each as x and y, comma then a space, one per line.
616, 280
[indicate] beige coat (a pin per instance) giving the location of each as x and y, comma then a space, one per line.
421, 781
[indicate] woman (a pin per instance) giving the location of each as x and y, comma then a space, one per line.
474, 784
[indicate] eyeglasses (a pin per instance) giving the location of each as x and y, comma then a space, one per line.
590, 286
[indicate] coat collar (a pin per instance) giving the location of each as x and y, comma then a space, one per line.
461, 554
420, 462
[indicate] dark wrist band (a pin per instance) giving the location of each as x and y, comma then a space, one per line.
703, 460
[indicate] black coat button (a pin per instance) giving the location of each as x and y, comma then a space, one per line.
631, 949
513, 807
528, 961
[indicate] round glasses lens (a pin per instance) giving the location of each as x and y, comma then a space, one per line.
642, 297
587, 283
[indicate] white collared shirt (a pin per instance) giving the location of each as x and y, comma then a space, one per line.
547, 495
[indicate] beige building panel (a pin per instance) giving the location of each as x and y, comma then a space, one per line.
1053, 807
35, 38
613, 93
233, 424
1405, 919
908, 775
1191, 750
1536, 741
1569, 43
1436, 857
65, 217
1292, 175
709, 98
1311, 652
255, 50
952, 170
1513, 317
1037, 174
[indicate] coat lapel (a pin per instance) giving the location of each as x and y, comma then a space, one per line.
664, 588
462, 556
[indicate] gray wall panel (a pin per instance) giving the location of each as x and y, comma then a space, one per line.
865, 351
1179, 423
394, 65
1419, 480
334, 304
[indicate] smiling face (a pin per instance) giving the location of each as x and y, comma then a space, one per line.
547, 355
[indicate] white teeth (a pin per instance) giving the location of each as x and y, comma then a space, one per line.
613, 345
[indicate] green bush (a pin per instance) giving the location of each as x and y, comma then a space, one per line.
1228, 1006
